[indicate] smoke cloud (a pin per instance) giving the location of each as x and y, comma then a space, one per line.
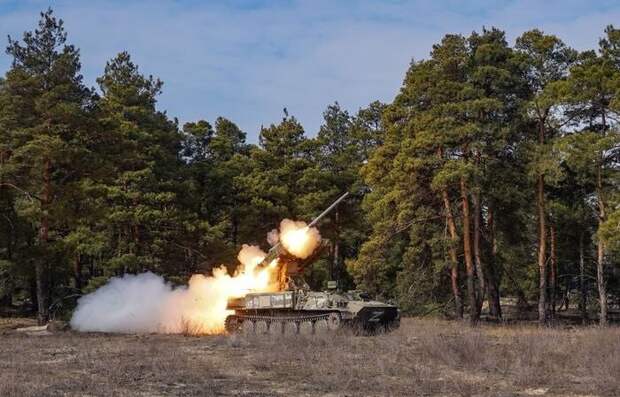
147, 303
132, 303
250, 256
298, 238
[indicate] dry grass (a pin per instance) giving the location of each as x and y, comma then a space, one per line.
424, 357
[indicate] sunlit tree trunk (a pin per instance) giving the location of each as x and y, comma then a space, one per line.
467, 251
600, 248
600, 253
493, 280
42, 265
553, 276
542, 237
482, 287
454, 263
583, 301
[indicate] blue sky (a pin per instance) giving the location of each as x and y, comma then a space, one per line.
246, 60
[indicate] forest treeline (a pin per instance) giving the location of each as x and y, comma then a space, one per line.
493, 173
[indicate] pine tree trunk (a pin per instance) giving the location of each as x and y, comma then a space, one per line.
7, 299
600, 252
600, 249
553, 277
467, 251
32, 289
542, 239
482, 287
235, 229
9, 228
335, 265
42, 312
135, 230
493, 282
454, 262
41, 266
583, 302
77, 272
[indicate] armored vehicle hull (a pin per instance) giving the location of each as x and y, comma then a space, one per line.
309, 311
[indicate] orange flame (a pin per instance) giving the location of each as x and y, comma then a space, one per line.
201, 309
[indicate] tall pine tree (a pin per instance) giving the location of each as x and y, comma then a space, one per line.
45, 119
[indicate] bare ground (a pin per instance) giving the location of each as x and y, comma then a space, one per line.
424, 357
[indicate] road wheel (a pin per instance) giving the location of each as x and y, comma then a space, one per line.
334, 321
321, 327
232, 324
261, 327
247, 327
306, 328
291, 328
276, 328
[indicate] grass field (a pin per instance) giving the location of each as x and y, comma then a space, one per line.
424, 357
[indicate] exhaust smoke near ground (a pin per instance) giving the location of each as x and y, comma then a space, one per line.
147, 303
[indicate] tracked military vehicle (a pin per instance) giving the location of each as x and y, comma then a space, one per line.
297, 309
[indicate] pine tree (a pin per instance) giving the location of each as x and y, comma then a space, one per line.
45, 115
404, 244
272, 186
143, 190
501, 91
336, 165
545, 59
216, 158
591, 89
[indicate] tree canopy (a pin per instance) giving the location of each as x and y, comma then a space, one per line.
494, 173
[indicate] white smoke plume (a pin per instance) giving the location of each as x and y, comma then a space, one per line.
132, 303
298, 238
146, 303
250, 256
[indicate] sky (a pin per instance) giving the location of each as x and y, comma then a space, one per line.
247, 60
